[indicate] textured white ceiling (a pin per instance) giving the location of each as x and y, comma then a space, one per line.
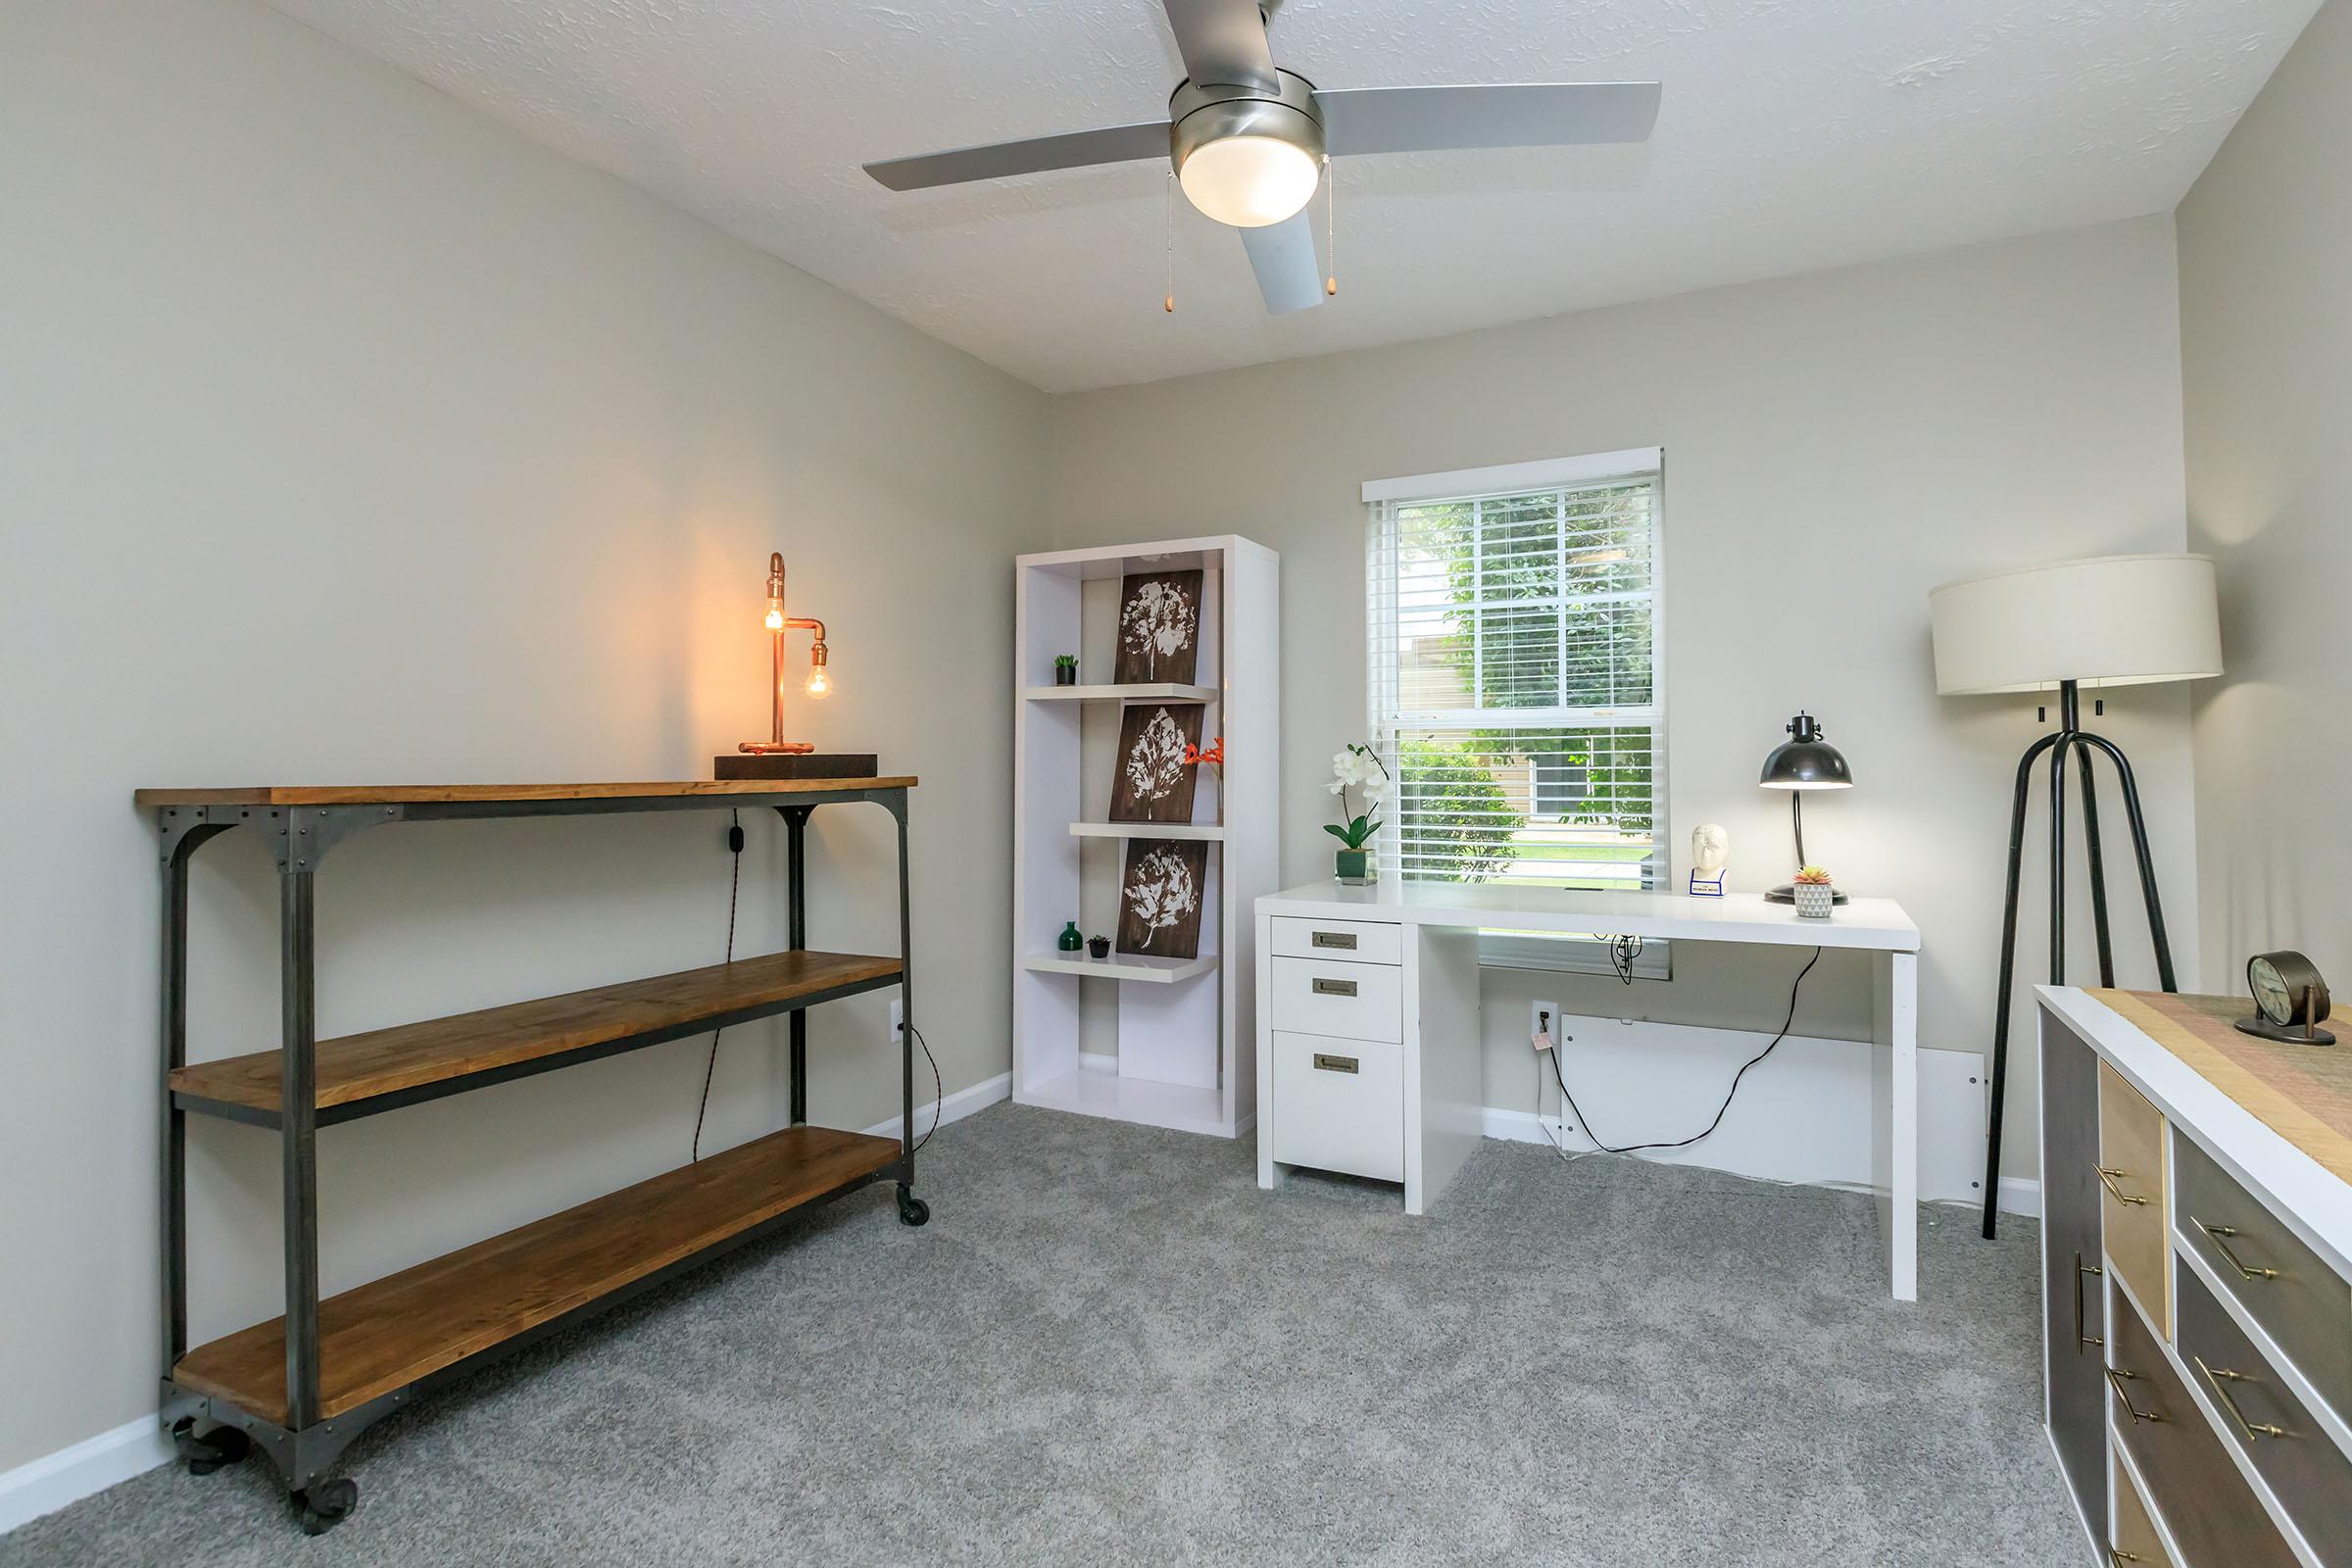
1795, 135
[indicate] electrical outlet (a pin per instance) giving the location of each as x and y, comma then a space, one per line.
898, 1020
1544, 1017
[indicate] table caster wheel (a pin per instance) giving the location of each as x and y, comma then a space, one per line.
326, 1504
913, 1211
222, 1445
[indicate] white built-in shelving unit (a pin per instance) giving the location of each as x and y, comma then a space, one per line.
1169, 1042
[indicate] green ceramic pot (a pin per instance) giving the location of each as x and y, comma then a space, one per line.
1355, 866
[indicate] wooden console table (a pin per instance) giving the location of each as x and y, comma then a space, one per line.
302, 1386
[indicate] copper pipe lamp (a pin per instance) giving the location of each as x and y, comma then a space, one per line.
776, 756
818, 685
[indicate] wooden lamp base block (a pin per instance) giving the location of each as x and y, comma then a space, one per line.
795, 765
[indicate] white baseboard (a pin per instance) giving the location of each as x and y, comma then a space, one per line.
45, 1485
2020, 1194
958, 1105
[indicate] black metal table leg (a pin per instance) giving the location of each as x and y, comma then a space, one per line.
796, 911
298, 1113
911, 1210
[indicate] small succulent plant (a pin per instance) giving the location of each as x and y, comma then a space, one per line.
1814, 876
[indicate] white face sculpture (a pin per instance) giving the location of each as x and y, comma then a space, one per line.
1710, 848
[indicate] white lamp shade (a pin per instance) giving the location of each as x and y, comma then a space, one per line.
2117, 621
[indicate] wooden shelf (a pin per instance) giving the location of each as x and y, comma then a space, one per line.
1159, 691
362, 1074
388, 1333
1121, 966
1213, 832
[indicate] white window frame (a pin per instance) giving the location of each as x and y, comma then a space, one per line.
1508, 949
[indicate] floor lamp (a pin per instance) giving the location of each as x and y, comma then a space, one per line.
2119, 621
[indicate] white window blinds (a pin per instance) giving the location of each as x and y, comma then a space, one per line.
1515, 674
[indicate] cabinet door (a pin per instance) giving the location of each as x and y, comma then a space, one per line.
2074, 1309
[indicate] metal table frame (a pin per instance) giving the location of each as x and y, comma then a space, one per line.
300, 837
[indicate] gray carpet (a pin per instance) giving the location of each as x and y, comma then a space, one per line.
1109, 1348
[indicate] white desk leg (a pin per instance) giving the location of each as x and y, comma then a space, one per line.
1894, 1137
1269, 1174
1444, 1069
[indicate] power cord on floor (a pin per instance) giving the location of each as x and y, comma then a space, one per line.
938, 1101
939, 1093
1786, 1022
734, 886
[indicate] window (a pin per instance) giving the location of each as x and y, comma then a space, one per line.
1516, 678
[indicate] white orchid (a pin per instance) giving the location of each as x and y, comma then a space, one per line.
1357, 767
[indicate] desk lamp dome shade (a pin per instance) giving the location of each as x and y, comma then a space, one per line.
2116, 620
1807, 761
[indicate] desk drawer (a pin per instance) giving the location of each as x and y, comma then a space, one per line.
1349, 1000
2193, 1484
2134, 1535
2306, 1471
1348, 941
2130, 1171
2301, 1302
1338, 1104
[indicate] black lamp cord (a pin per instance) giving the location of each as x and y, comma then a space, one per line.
1586, 1122
734, 886
938, 1101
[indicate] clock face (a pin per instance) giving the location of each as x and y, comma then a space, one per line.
2271, 994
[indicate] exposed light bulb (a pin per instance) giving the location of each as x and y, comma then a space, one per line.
1250, 182
819, 685
775, 614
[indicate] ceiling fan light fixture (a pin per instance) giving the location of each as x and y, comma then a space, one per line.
1244, 157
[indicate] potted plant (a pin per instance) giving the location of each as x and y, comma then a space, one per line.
1814, 893
1066, 669
1099, 947
1356, 767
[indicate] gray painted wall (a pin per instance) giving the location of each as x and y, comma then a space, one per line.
2265, 309
1836, 446
350, 437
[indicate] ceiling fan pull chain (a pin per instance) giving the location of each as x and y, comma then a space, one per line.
1169, 240
1331, 227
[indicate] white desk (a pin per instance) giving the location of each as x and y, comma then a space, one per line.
1368, 1026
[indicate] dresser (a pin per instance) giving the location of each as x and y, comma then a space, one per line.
2196, 1253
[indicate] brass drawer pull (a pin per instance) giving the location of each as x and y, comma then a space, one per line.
2082, 1269
2117, 1377
2108, 1177
2118, 1556
2216, 1234
2216, 1376
1344, 939
1324, 1064
1334, 988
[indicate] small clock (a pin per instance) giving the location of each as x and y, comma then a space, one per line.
2289, 997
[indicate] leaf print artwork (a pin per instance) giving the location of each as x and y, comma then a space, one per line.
1155, 783
1161, 893
1160, 629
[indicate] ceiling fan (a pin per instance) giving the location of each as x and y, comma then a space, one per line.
1248, 139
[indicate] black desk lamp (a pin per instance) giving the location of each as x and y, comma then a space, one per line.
1804, 761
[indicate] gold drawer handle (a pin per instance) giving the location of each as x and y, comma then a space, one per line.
2118, 1377
2216, 1234
2082, 1269
2118, 1556
2108, 1177
1328, 1063
1334, 988
1344, 939
2215, 1374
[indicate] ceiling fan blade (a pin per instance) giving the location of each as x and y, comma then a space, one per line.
1223, 42
1547, 114
1283, 255
1114, 144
